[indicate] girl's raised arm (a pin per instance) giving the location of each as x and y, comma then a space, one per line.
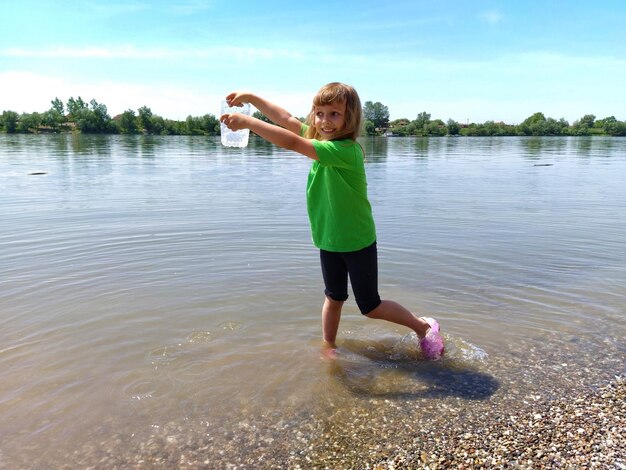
274, 112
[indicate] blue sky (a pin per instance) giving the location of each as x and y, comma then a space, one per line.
476, 61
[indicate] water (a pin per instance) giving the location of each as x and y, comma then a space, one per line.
154, 290
234, 138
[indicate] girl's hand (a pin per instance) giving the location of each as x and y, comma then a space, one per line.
238, 98
235, 121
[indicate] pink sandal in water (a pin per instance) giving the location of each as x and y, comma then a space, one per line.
432, 344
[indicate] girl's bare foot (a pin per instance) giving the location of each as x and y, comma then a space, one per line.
329, 351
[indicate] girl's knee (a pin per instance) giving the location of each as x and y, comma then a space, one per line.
333, 303
335, 299
368, 308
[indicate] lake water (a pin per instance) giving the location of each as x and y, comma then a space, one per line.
160, 296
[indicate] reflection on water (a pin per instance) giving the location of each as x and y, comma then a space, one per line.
152, 281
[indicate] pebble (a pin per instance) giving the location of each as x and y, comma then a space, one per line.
512, 411
587, 431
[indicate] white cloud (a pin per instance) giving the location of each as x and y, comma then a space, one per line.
508, 88
168, 101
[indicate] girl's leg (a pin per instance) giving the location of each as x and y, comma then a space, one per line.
331, 314
363, 269
335, 273
394, 312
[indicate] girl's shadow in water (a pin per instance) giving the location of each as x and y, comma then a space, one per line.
375, 371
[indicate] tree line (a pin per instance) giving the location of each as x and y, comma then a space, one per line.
376, 117
93, 118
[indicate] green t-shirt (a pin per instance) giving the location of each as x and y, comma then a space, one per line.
339, 211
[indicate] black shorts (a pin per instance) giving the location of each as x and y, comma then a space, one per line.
362, 267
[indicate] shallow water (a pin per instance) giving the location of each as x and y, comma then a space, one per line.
167, 286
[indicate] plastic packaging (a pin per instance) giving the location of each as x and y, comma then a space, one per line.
235, 138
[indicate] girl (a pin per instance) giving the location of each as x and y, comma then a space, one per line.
340, 214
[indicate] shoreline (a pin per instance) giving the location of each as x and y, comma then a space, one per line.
584, 428
524, 425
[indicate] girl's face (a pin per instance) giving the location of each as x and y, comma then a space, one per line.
330, 120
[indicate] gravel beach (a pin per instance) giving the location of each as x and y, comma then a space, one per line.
546, 408
584, 431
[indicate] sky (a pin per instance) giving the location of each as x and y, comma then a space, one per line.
471, 61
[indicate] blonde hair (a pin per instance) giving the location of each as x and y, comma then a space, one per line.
333, 93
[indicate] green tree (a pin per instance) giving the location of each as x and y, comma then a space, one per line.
402, 122
587, 120
57, 105
150, 123
538, 125
613, 127
262, 117
552, 127
146, 119
400, 127
92, 120
102, 119
9, 121
158, 125
369, 127
533, 125
419, 124
210, 124
52, 119
495, 129
85, 120
584, 125
28, 123
193, 126
454, 128
174, 127
74, 107
377, 113
601, 123
436, 128
128, 122
563, 126
476, 130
